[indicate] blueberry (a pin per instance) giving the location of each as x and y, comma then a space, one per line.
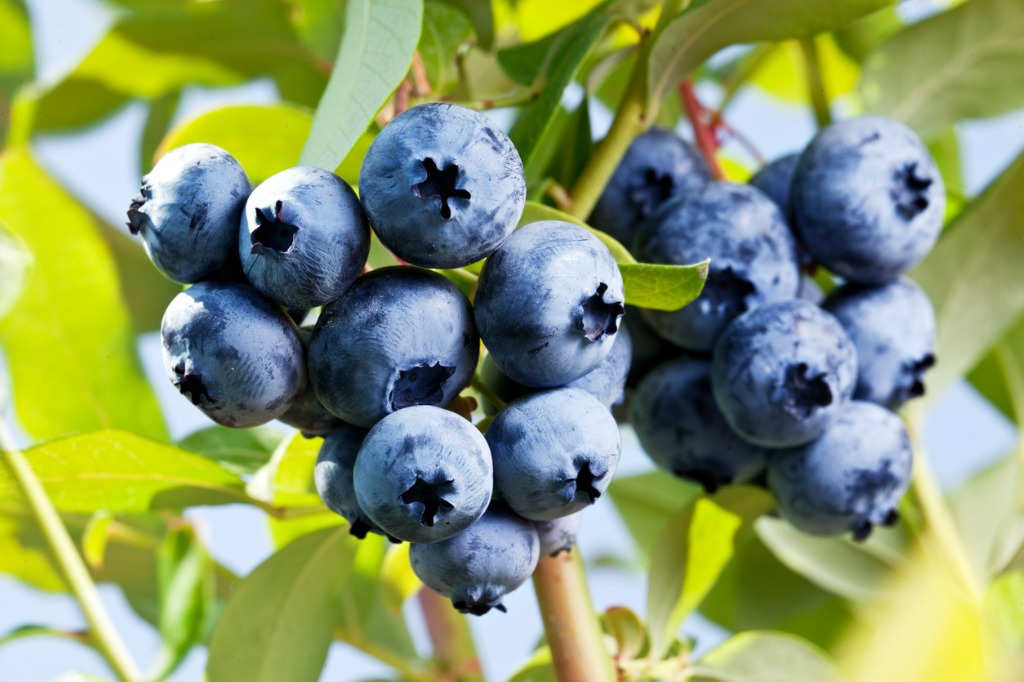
657, 166
681, 428
753, 258
480, 565
849, 480
423, 474
555, 452
776, 180
303, 238
558, 535
782, 372
399, 336
443, 186
548, 303
893, 329
649, 349
868, 199
233, 353
335, 465
188, 210
307, 413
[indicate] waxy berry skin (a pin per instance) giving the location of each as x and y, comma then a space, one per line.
333, 477
303, 238
443, 186
235, 354
187, 212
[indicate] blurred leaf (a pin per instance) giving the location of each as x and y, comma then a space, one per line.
565, 58
17, 64
852, 570
27, 631
980, 303
118, 471
692, 551
158, 120
945, 149
535, 19
278, 623
647, 501
707, 26
782, 72
538, 669
1003, 609
15, 264
319, 23
94, 539
376, 48
576, 146
68, 340
534, 212
445, 28
241, 451
242, 131
525, 63
860, 38
767, 657
479, 14
663, 287
628, 631
287, 530
986, 510
287, 479
950, 67
397, 579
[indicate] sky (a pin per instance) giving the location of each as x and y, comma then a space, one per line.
102, 169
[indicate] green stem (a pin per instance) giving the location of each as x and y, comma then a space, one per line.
815, 82
578, 653
101, 628
483, 389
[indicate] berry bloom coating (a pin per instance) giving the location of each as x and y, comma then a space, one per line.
188, 210
333, 476
753, 258
443, 186
307, 413
480, 565
554, 452
867, 199
775, 180
304, 238
548, 303
658, 166
399, 336
681, 428
782, 372
849, 480
233, 353
423, 474
893, 329
558, 535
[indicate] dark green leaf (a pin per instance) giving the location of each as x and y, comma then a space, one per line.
973, 277
68, 341
767, 657
707, 26
319, 24
692, 551
950, 67
444, 30
376, 49
525, 63
860, 38
240, 450
646, 503
279, 621
576, 146
17, 63
480, 15
663, 287
161, 113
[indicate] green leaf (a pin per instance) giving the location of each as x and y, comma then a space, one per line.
693, 549
397, 579
534, 211
445, 29
17, 63
628, 631
707, 26
376, 49
1003, 609
319, 23
980, 303
15, 263
647, 501
287, 530
158, 121
782, 72
278, 623
287, 479
567, 54
68, 340
856, 571
242, 131
767, 657
663, 287
950, 67
118, 471
94, 538
242, 451
479, 14
26, 631
538, 669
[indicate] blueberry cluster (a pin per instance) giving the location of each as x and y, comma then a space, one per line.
390, 348
763, 378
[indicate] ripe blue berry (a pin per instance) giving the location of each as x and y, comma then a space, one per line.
333, 477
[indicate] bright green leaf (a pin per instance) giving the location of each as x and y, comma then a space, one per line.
68, 340
707, 26
376, 49
17, 63
288, 530
15, 263
663, 287
287, 479
479, 14
782, 72
242, 451
953, 66
397, 579
971, 275
26, 631
279, 621
1003, 609
118, 471
319, 24
242, 131
767, 657
693, 549
94, 538
538, 669
647, 501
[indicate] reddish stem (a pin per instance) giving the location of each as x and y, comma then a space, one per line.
449, 636
702, 132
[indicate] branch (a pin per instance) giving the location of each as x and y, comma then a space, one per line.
449, 634
702, 132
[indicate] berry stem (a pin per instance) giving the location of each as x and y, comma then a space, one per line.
578, 653
815, 82
484, 390
454, 649
102, 631
702, 132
